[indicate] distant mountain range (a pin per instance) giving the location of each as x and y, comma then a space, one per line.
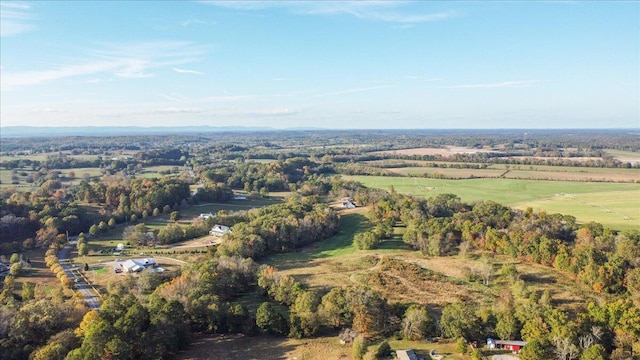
33, 131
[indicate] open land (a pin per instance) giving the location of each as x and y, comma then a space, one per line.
402, 275
445, 151
613, 205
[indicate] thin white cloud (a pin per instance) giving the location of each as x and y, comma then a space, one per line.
206, 99
403, 26
503, 84
48, 110
191, 22
16, 17
276, 112
126, 61
199, 112
25, 78
386, 11
175, 97
177, 110
133, 75
187, 71
354, 90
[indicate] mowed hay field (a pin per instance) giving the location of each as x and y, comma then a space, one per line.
444, 151
561, 173
275, 348
615, 205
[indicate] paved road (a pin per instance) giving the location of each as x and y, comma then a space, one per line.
90, 295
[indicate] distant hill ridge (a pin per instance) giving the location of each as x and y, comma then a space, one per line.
30, 131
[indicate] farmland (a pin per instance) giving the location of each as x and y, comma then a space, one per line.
613, 205
295, 243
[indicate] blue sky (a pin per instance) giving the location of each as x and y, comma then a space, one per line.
358, 64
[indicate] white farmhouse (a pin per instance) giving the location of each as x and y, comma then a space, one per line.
219, 230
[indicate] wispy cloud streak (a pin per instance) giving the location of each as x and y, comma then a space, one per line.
503, 84
354, 90
191, 22
16, 17
129, 61
386, 11
187, 71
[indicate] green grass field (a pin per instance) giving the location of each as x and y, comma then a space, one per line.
339, 244
623, 154
449, 172
613, 204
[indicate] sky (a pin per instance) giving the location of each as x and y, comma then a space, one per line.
326, 64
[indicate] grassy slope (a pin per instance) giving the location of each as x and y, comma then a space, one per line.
585, 201
335, 262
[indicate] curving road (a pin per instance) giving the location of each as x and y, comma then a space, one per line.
90, 295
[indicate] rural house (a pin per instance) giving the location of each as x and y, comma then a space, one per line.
406, 355
513, 345
348, 203
137, 265
219, 230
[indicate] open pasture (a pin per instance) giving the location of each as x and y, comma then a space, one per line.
318, 348
624, 156
531, 172
616, 209
405, 275
235, 205
623, 198
448, 172
444, 151
621, 175
44, 156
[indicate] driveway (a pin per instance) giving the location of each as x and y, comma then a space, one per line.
90, 295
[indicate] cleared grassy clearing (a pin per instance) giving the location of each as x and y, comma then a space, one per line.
37, 272
406, 276
525, 193
619, 176
444, 151
340, 244
32, 157
449, 172
262, 161
625, 156
43, 156
531, 172
265, 347
5, 177
236, 205
570, 169
413, 163
79, 172
319, 348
